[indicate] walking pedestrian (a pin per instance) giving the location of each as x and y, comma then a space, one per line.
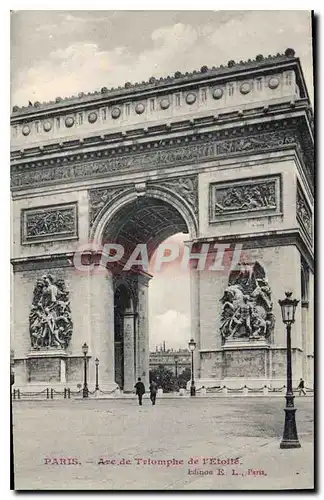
301, 387
140, 390
153, 391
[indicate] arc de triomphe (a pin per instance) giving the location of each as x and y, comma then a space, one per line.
223, 154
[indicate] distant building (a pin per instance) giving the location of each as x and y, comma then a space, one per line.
173, 360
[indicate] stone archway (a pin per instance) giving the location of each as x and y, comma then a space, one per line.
129, 220
106, 205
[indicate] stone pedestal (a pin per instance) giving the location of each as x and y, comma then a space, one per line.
249, 361
238, 364
43, 368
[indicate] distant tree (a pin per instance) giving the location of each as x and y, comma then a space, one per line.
184, 377
164, 378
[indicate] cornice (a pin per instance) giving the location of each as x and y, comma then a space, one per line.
42, 262
267, 239
178, 79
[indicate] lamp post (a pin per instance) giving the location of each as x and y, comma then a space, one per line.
192, 347
176, 367
97, 378
85, 384
290, 436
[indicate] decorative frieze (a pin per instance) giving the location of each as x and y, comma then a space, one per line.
128, 111
195, 152
304, 213
233, 200
54, 222
100, 197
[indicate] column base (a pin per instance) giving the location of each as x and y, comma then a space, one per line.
285, 445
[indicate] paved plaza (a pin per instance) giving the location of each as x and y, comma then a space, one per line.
179, 444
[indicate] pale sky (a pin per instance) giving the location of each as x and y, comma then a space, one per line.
62, 53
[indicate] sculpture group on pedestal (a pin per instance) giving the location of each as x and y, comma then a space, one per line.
50, 322
247, 307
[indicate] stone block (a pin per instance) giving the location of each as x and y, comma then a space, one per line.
244, 363
74, 370
44, 370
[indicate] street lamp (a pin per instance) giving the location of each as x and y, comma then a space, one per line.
176, 367
192, 347
97, 379
85, 385
290, 436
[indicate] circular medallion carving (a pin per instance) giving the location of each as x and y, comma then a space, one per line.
218, 93
191, 98
245, 88
165, 103
92, 117
273, 83
115, 113
25, 130
47, 126
140, 108
69, 121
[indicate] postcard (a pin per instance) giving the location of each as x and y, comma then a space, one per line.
162, 250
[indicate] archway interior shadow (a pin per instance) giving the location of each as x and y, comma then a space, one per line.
147, 221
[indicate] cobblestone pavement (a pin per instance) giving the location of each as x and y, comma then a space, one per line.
243, 430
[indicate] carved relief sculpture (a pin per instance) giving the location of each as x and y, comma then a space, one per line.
98, 198
50, 322
304, 214
55, 222
232, 199
190, 153
186, 187
247, 306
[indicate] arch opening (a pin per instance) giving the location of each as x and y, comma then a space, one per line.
145, 221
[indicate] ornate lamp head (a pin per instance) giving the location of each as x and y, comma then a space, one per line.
192, 345
288, 308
